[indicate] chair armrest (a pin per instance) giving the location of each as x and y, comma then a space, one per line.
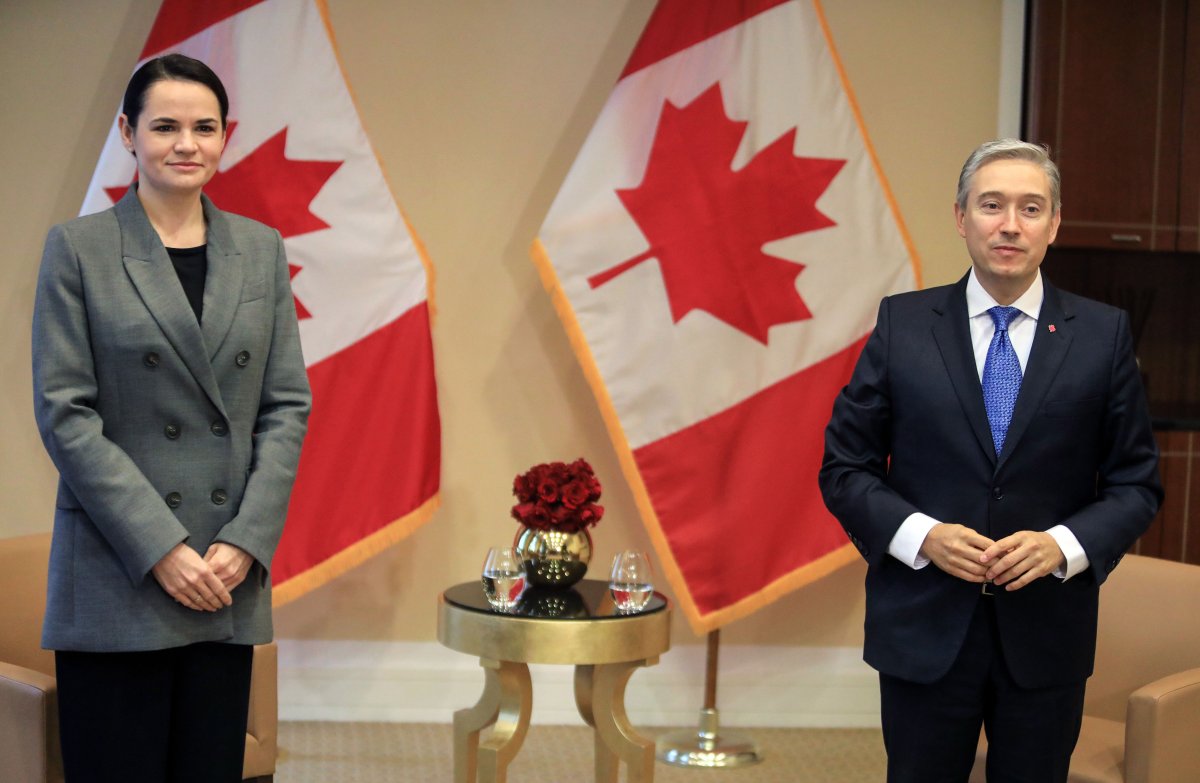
29, 749
1160, 730
262, 722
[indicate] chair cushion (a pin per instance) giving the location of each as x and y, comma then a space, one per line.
1098, 756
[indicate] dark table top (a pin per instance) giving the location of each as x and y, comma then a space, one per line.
587, 600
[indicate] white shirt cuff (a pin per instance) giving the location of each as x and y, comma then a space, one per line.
905, 546
1076, 559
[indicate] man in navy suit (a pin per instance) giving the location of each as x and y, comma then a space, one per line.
992, 460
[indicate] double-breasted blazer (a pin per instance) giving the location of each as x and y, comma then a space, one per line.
910, 433
163, 430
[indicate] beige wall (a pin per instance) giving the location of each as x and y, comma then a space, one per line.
477, 108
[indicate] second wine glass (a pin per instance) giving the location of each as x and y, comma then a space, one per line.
632, 581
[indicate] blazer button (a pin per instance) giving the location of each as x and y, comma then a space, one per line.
150, 360
219, 497
242, 359
174, 499
218, 428
171, 431
997, 493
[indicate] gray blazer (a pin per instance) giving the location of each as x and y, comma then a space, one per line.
162, 430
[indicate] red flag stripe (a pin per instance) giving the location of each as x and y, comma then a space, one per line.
675, 26
179, 20
771, 522
372, 453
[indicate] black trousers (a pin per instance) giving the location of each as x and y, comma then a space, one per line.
164, 716
931, 731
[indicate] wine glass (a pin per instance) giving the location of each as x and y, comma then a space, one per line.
632, 581
503, 578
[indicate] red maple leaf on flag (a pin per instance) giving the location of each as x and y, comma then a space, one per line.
706, 224
271, 188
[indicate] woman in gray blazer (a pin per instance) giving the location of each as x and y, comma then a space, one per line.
171, 394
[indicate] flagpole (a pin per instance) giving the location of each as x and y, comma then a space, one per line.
708, 746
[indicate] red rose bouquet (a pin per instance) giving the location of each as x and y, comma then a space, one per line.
558, 496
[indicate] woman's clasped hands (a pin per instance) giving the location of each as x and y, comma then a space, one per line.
202, 583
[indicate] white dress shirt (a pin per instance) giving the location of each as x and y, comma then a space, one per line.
906, 544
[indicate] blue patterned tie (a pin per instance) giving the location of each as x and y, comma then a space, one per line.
1001, 376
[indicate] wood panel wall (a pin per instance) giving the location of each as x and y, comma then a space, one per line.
1175, 532
1160, 291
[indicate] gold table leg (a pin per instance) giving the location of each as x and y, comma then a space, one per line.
507, 702
600, 697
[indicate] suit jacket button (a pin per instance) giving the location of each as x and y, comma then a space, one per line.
242, 359
219, 496
150, 360
997, 493
219, 429
174, 499
171, 431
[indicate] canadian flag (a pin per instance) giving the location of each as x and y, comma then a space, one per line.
298, 159
717, 254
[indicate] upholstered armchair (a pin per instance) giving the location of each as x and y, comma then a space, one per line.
29, 749
1142, 712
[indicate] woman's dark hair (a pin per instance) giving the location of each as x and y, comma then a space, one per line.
179, 67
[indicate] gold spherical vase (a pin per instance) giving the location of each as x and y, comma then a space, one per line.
553, 558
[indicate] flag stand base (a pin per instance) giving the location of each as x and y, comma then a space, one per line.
707, 746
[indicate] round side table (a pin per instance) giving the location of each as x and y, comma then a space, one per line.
578, 626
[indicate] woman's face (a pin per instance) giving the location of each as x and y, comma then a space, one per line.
178, 139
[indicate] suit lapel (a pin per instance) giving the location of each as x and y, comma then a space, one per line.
150, 269
1045, 358
952, 332
223, 285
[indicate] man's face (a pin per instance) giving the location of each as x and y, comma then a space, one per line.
1007, 225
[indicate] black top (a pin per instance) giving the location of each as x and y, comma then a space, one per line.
587, 600
191, 264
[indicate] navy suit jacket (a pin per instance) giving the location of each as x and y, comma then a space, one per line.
909, 433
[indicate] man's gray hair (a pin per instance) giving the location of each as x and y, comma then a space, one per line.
1010, 149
